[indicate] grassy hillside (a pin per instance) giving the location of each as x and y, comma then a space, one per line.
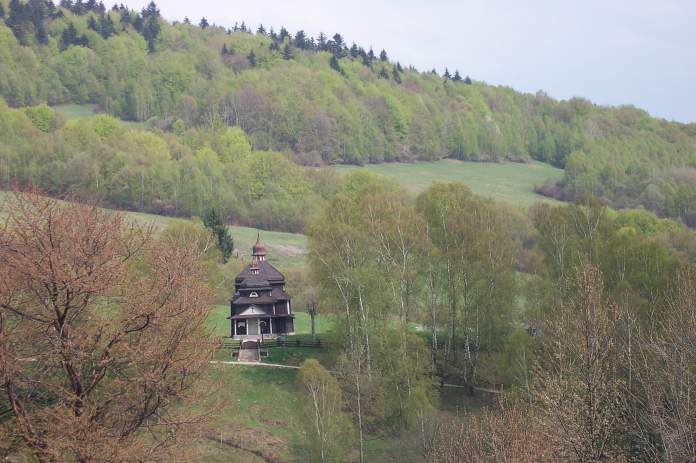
511, 182
285, 250
317, 100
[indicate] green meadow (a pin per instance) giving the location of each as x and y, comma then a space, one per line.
510, 182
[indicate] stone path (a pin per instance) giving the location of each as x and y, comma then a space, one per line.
249, 355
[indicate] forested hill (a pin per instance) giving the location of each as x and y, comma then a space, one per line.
325, 100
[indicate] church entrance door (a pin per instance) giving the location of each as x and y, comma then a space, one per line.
253, 326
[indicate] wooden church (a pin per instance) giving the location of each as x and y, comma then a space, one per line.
260, 307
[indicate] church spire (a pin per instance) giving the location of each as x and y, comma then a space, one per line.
258, 251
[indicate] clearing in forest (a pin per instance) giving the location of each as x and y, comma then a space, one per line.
510, 182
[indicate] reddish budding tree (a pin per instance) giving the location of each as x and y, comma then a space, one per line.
102, 334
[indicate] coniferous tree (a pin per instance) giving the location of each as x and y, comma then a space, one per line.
336, 45
283, 34
335, 65
106, 26
224, 51
354, 51
287, 51
92, 24
383, 74
68, 37
261, 30
273, 35
251, 57
457, 77
2, 11
204, 23
321, 43
371, 54
214, 222
235, 28
467, 80
395, 75
447, 74
187, 20
398, 67
151, 25
301, 41
434, 72
383, 55
125, 19
243, 27
138, 23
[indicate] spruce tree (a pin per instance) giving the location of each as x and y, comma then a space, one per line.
204, 23
224, 51
2, 11
106, 26
335, 65
187, 20
287, 51
354, 51
383, 74
151, 25
261, 30
457, 77
283, 34
371, 54
301, 40
395, 75
92, 24
398, 67
321, 43
214, 222
467, 80
251, 57
243, 27
383, 55
447, 74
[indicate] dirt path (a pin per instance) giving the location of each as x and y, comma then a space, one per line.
254, 364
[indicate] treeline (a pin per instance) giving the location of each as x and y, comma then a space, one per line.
584, 314
187, 174
327, 102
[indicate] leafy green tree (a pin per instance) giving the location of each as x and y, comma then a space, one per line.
328, 431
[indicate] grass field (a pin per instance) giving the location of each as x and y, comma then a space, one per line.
510, 182
77, 111
85, 111
285, 250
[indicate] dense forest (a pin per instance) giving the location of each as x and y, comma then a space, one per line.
317, 100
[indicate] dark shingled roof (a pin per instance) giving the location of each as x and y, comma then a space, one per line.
267, 275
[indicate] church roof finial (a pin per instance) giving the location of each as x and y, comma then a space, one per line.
258, 249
